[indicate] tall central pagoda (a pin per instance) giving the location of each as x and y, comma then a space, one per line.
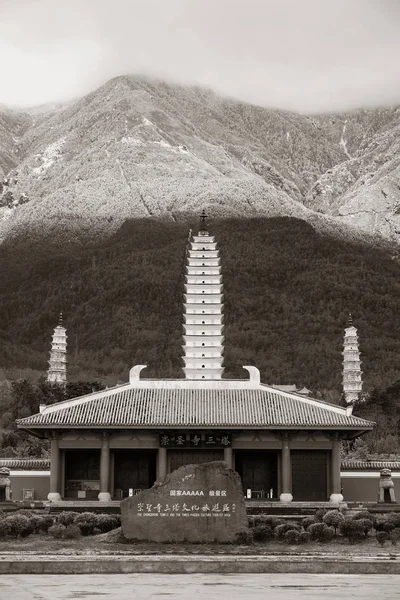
203, 340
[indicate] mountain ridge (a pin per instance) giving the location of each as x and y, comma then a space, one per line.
137, 148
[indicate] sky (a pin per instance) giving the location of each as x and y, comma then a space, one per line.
301, 55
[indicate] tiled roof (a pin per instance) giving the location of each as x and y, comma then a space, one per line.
149, 407
25, 464
372, 465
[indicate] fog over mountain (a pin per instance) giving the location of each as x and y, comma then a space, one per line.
309, 56
139, 147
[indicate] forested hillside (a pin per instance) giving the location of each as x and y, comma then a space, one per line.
287, 289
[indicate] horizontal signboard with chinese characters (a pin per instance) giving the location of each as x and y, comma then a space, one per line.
195, 440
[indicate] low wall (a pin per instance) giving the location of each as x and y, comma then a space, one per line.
363, 486
177, 564
38, 481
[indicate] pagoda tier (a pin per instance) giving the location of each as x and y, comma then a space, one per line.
203, 310
57, 371
352, 374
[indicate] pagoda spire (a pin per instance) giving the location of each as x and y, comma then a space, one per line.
203, 308
57, 371
203, 223
352, 374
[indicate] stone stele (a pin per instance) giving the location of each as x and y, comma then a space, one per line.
195, 503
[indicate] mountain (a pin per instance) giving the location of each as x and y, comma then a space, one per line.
139, 148
287, 293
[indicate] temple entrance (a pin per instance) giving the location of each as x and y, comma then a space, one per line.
309, 475
82, 474
133, 469
179, 458
259, 472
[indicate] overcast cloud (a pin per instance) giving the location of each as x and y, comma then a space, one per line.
306, 55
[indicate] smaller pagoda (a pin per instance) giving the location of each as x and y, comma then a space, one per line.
352, 374
57, 371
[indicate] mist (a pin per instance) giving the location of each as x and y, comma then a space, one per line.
308, 56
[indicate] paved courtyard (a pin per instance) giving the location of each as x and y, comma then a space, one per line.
193, 587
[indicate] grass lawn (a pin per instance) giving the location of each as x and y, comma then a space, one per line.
101, 544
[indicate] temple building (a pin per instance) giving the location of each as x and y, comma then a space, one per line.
109, 444
57, 371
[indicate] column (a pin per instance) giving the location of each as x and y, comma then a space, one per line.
104, 495
54, 494
161, 462
228, 457
336, 486
286, 476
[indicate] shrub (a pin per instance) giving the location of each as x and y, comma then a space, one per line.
87, 523
394, 518
305, 537
44, 524
384, 524
382, 537
280, 530
244, 537
292, 536
25, 512
19, 525
365, 514
307, 521
67, 517
57, 531
265, 520
107, 522
72, 532
333, 518
34, 521
262, 533
366, 525
4, 528
319, 514
395, 536
2, 514
352, 530
320, 532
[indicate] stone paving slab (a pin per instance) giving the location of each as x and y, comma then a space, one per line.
200, 587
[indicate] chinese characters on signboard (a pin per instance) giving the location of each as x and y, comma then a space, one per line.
195, 440
216, 506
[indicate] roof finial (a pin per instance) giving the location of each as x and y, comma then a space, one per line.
350, 320
203, 221
60, 320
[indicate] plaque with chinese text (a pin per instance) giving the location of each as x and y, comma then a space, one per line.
195, 440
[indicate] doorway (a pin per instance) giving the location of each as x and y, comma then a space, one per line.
259, 472
309, 475
133, 469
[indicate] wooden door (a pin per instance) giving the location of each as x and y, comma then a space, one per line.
258, 471
309, 475
133, 469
